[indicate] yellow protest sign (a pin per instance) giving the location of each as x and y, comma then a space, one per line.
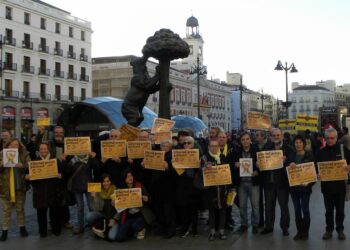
270, 160
230, 198
301, 174
257, 120
287, 125
43, 121
94, 187
129, 133
77, 145
43, 169
162, 136
128, 198
185, 158
136, 149
154, 160
113, 148
305, 122
162, 125
217, 175
332, 170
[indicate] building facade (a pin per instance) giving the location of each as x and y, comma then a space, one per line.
45, 62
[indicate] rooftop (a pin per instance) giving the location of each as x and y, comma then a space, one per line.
310, 87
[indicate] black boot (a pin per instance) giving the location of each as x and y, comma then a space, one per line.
306, 227
4, 235
23, 231
299, 224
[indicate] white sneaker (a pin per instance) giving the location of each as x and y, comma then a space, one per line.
141, 234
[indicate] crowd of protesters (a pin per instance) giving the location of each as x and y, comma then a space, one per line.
173, 199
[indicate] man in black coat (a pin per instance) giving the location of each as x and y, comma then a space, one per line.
334, 191
276, 186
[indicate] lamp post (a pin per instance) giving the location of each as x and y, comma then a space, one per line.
291, 68
263, 97
199, 70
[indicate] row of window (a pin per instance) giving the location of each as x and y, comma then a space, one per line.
42, 47
43, 23
307, 100
43, 70
43, 95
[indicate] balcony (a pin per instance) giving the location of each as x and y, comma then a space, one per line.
83, 58
71, 55
44, 71
43, 48
30, 96
10, 66
9, 41
59, 74
71, 76
9, 16
11, 94
58, 52
27, 45
27, 69
45, 97
84, 78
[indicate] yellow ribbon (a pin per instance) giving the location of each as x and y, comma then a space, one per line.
179, 171
12, 186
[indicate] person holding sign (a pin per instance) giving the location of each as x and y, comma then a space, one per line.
102, 204
132, 220
187, 196
276, 186
246, 177
13, 188
215, 196
80, 170
116, 165
334, 191
301, 194
46, 196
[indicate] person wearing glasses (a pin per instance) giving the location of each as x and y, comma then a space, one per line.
276, 186
187, 196
334, 191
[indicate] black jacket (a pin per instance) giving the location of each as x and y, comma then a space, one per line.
333, 153
238, 155
308, 157
277, 177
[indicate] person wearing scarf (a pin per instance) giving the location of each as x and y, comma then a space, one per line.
102, 203
46, 196
80, 170
215, 196
13, 188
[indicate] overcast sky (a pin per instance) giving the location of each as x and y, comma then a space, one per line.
245, 36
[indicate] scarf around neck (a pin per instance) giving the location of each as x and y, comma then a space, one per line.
45, 158
216, 156
224, 150
106, 194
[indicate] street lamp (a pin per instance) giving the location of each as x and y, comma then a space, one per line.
292, 69
199, 70
263, 97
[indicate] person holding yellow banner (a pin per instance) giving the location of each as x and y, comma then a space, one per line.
46, 196
301, 194
334, 191
13, 188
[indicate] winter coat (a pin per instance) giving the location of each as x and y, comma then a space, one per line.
333, 153
46, 192
21, 172
239, 154
308, 157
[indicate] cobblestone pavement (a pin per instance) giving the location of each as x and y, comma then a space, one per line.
235, 240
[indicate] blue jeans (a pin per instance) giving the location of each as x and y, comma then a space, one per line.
247, 190
130, 226
80, 207
301, 204
91, 217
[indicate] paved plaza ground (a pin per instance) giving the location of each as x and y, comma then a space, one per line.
235, 241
